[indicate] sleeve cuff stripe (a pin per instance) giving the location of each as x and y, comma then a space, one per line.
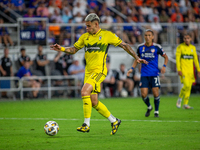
118, 43
77, 46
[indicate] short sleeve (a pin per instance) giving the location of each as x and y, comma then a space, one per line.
113, 39
138, 51
160, 51
80, 43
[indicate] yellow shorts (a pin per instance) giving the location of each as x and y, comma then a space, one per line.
95, 80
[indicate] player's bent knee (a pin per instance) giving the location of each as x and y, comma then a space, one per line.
85, 93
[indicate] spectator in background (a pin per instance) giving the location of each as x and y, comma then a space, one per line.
177, 14
133, 32
4, 34
53, 8
93, 4
66, 6
24, 71
18, 6
57, 2
23, 57
109, 83
42, 10
34, 3
78, 18
41, 61
78, 8
157, 28
55, 31
119, 31
69, 60
78, 70
66, 15
193, 28
124, 81
56, 16
65, 38
31, 24
107, 17
153, 15
167, 89
184, 6
163, 35
6, 71
60, 64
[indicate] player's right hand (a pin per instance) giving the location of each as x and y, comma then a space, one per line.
180, 73
55, 47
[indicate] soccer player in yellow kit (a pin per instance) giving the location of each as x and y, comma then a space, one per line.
96, 42
185, 57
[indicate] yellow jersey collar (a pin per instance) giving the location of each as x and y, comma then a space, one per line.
97, 33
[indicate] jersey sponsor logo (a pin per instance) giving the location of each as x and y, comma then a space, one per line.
187, 56
96, 47
92, 48
148, 55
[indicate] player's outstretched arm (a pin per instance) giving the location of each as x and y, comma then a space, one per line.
69, 50
129, 50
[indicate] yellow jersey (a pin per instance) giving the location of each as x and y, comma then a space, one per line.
186, 56
96, 49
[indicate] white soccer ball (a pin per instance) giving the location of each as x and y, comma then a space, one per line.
124, 93
51, 128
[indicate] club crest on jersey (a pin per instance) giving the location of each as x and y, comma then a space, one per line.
152, 50
100, 37
191, 50
143, 49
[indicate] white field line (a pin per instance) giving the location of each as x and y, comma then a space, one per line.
65, 119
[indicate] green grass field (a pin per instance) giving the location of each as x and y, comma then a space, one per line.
22, 125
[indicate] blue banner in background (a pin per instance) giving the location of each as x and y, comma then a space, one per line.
33, 35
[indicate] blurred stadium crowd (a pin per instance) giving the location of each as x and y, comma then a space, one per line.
110, 11
133, 11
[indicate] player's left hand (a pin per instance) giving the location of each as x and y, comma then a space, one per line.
142, 61
163, 70
129, 71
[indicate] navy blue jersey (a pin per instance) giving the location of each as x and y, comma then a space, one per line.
150, 54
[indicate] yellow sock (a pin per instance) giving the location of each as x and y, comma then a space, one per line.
186, 100
182, 93
87, 106
102, 109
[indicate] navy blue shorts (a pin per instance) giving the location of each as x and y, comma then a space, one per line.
149, 82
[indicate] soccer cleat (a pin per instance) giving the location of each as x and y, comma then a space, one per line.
187, 107
156, 115
115, 126
83, 128
148, 112
178, 105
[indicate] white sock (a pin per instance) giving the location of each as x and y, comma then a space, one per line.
87, 121
111, 118
156, 112
150, 107
179, 99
